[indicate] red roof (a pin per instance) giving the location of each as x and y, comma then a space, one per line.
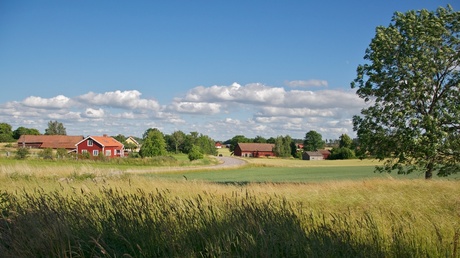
105, 141
50, 141
256, 146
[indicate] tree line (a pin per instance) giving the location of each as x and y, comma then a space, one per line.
285, 146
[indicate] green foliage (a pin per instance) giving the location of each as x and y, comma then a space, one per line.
55, 128
154, 144
22, 153
85, 155
313, 141
283, 146
345, 141
46, 153
195, 153
120, 137
342, 153
6, 133
259, 139
61, 153
176, 141
412, 80
237, 139
24, 131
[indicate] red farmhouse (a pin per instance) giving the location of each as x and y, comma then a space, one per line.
100, 144
254, 150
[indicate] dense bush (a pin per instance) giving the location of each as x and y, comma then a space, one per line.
46, 153
195, 153
342, 153
22, 153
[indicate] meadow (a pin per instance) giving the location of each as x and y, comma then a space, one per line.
342, 209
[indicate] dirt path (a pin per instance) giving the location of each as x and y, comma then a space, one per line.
224, 162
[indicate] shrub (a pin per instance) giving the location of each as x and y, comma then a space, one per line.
61, 153
22, 153
195, 153
46, 153
342, 153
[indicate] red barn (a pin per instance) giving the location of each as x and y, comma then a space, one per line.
49, 141
94, 145
254, 150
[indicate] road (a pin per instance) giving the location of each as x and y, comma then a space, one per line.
224, 162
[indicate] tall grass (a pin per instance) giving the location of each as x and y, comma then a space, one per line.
135, 218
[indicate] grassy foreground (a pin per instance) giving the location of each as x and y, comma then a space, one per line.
106, 213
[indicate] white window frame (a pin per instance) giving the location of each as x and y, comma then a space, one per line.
90, 142
84, 151
95, 153
108, 153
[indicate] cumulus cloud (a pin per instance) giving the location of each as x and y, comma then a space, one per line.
250, 93
94, 113
262, 95
307, 83
130, 99
195, 107
220, 111
59, 101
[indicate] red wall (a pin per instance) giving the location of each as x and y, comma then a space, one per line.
96, 146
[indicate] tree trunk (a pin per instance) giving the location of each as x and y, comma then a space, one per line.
429, 171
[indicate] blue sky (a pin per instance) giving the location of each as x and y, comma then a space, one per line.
221, 68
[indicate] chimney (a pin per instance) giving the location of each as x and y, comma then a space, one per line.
105, 135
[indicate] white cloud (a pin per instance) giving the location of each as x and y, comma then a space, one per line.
296, 112
261, 95
219, 111
307, 83
94, 113
59, 101
195, 107
120, 99
250, 93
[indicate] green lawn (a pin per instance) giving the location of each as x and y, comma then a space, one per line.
282, 174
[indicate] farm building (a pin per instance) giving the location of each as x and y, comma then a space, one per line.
94, 145
254, 150
326, 153
49, 141
131, 140
312, 155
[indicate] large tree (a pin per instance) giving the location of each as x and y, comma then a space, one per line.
6, 133
154, 144
24, 131
177, 139
283, 146
313, 141
55, 128
411, 81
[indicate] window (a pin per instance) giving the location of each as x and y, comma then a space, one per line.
95, 153
90, 142
84, 151
108, 153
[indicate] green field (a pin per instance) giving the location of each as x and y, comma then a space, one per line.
282, 174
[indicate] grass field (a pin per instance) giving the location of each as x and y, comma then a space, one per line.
282, 174
268, 208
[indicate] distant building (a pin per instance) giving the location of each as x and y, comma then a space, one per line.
131, 140
326, 153
94, 145
49, 141
312, 155
254, 150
